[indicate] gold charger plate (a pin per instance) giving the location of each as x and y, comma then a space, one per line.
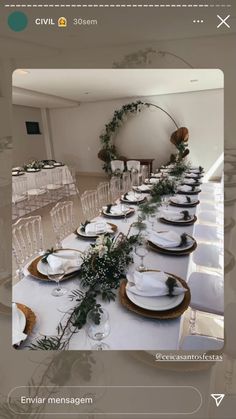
129, 214
30, 320
188, 205
189, 192
113, 226
172, 252
32, 268
173, 313
175, 223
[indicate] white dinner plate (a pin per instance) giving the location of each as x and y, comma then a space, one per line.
33, 170
42, 267
175, 201
48, 166
165, 217
84, 234
155, 303
22, 320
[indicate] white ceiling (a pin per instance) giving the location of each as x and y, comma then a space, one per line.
67, 87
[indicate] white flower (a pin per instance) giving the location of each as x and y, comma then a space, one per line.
102, 250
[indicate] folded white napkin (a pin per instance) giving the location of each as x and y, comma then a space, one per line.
190, 175
132, 197
17, 327
152, 180
182, 199
144, 187
165, 238
156, 175
185, 188
189, 181
151, 284
64, 261
194, 170
92, 228
171, 215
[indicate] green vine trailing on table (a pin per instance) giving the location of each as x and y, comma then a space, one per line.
104, 265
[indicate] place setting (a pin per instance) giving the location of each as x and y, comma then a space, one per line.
55, 265
189, 190
17, 171
171, 243
132, 197
191, 182
91, 230
23, 322
117, 211
154, 294
183, 201
177, 218
144, 188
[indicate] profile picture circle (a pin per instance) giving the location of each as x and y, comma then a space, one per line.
17, 21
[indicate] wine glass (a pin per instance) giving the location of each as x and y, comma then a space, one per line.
165, 201
56, 274
152, 219
98, 331
141, 251
124, 210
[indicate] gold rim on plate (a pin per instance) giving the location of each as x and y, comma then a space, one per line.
128, 214
32, 268
172, 313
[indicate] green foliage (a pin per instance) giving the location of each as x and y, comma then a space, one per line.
164, 187
104, 265
46, 254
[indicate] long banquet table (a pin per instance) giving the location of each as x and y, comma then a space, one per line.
129, 331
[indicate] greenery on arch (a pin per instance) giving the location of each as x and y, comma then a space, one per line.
108, 151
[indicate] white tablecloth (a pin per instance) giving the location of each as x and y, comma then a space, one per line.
31, 177
128, 330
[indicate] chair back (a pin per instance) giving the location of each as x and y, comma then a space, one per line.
126, 182
133, 165
144, 172
117, 165
104, 194
115, 188
27, 239
62, 219
90, 206
19, 186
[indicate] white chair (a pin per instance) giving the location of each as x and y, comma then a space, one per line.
144, 172
55, 188
19, 197
117, 166
89, 203
133, 165
104, 194
201, 343
69, 181
37, 196
62, 220
208, 257
208, 234
115, 187
27, 240
207, 295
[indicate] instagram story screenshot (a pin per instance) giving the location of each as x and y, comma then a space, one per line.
117, 209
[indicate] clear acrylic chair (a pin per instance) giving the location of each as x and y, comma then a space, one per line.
144, 172
117, 166
69, 181
201, 343
126, 182
37, 190
27, 241
19, 197
104, 193
62, 220
55, 188
115, 188
89, 203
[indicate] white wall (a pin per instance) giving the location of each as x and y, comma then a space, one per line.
75, 131
27, 147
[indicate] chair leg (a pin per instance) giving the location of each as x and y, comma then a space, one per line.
192, 322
